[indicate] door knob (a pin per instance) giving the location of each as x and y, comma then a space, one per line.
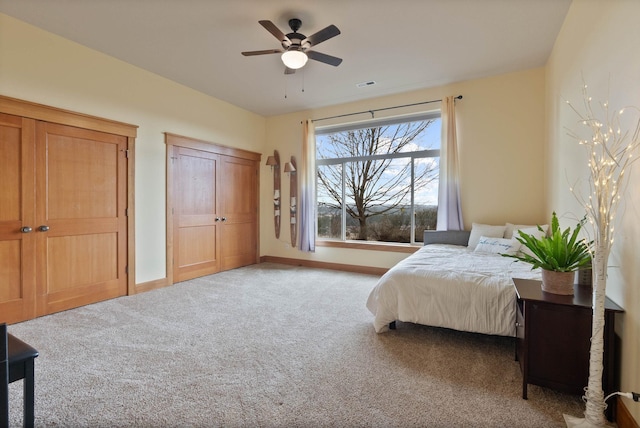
224, 219
26, 229
43, 228
217, 218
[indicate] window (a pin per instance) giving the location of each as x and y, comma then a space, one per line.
378, 181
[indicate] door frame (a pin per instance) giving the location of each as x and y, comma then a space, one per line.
172, 140
45, 113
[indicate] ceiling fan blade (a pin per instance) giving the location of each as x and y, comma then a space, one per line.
322, 35
271, 27
265, 52
288, 70
327, 59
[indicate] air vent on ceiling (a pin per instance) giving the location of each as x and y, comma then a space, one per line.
365, 84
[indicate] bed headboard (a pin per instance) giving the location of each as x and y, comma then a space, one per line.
453, 237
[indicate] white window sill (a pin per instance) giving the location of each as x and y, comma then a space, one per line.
370, 245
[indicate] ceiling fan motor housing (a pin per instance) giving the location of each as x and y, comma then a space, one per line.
295, 40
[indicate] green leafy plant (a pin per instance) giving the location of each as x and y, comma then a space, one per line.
561, 251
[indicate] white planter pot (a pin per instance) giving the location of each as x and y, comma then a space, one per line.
558, 282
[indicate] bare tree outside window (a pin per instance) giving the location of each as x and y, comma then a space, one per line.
372, 181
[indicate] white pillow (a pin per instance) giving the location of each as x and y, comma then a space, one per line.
478, 230
510, 228
497, 245
533, 231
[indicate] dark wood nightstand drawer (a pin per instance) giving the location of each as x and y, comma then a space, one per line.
559, 346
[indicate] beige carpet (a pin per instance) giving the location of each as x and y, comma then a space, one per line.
270, 346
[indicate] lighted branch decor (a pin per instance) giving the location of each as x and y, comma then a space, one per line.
611, 155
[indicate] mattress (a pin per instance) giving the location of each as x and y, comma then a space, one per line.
450, 286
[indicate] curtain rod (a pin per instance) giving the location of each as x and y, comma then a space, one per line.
459, 97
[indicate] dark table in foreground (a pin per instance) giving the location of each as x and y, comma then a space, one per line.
21, 359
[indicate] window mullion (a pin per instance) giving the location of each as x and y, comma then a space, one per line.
412, 233
417, 154
343, 226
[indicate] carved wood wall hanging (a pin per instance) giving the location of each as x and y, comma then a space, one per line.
274, 163
290, 168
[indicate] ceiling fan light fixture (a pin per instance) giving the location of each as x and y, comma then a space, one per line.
294, 59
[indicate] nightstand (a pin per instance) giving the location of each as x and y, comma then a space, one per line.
553, 338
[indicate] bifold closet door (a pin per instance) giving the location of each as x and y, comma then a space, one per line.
196, 218
212, 208
81, 225
239, 206
17, 219
63, 232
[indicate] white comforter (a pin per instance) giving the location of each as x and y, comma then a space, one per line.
450, 286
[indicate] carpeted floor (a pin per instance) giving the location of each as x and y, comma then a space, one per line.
270, 346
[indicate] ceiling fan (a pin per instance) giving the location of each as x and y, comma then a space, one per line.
296, 47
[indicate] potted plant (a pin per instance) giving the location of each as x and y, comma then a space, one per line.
559, 254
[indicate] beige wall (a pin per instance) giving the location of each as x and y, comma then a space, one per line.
501, 144
41, 67
599, 43
498, 157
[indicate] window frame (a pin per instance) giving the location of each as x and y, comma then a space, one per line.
420, 154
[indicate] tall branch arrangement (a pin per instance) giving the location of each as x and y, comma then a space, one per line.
611, 154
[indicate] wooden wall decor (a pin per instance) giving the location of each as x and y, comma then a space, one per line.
274, 163
291, 169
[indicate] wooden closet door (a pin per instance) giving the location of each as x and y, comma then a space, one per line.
195, 213
81, 224
17, 205
239, 188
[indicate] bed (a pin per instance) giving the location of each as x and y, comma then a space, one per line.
457, 280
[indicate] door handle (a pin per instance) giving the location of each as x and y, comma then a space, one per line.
26, 229
224, 219
217, 218
43, 228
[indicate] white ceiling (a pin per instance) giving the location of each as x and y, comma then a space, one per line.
402, 45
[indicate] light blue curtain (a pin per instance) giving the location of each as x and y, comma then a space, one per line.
307, 183
449, 209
